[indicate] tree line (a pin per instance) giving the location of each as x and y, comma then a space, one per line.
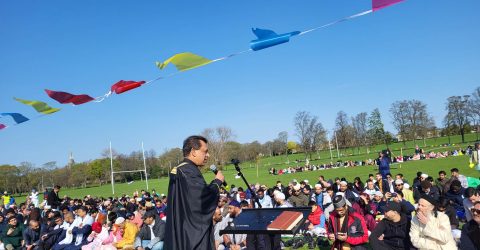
410, 118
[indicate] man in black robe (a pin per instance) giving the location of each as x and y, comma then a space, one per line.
191, 202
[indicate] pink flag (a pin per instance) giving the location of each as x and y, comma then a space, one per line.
380, 4
64, 97
2, 126
123, 86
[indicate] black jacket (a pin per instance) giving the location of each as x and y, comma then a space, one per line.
470, 239
53, 200
395, 234
158, 230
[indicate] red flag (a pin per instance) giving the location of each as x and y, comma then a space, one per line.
2, 126
123, 86
380, 4
64, 97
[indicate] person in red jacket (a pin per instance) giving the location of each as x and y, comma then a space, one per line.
346, 228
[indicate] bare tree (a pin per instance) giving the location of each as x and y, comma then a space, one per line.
344, 130
360, 127
302, 122
310, 132
400, 119
217, 138
458, 113
474, 109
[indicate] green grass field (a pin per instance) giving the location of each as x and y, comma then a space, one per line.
260, 174
254, 175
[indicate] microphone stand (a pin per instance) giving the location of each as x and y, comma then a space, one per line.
237, 167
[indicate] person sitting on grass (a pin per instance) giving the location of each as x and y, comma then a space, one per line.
392, 232
345, 227
12, 234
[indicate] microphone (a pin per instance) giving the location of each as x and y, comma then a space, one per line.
215, 171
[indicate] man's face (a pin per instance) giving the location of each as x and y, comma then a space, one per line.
424, 206
81, 213
233, 211
455, 174
370, 185
12, 222
441, 176
296, 192
318, 190
34, 225
379, 177
476, 213
389, 215
343, 187
200, 156
306, 191
59, 221
377, 197
399, 187
474, 198
217, 216
341, 211
260, 194
149, 220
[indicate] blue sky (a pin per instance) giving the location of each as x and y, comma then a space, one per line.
427, 50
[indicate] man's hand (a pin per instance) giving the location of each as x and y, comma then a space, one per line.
380, 237
220, 176
342, 237
10, 231
422, 218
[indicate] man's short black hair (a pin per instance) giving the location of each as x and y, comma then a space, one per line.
469, 192
192, 142
442, 172
454, 170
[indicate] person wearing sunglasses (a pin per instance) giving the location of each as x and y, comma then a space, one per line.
407, 193
470, 238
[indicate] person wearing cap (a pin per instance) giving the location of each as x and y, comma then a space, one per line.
349, 195
12, 234
150, 236
280, 200
129, 233
407, 193
379, 202
392, 232
470, 237
345, 227
191, 201
318, 195
425, 188
298, 198
234, 241
430, 229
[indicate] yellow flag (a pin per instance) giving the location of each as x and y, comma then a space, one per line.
184, 61
39, 106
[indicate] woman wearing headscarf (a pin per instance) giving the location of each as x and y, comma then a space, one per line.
430, 229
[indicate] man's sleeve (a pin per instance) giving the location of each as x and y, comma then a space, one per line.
362, 231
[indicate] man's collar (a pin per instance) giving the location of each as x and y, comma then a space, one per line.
189, 161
